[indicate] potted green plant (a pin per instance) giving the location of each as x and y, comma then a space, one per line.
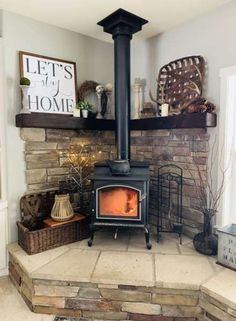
25, 85
85, 107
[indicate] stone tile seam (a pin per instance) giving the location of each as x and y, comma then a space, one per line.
177, 254
178, 249
202, 284
35, 270
96, 250
214, 267
68, 249
216, 297
128, 243
154, 268
95, 265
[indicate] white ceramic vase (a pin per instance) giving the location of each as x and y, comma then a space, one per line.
25, 102
85, 113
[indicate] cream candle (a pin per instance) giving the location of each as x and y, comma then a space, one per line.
164, 110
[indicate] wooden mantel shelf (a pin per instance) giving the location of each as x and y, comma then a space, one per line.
56, 121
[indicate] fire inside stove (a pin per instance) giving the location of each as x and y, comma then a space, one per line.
119, 201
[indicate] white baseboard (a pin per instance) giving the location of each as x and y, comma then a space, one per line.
4, 272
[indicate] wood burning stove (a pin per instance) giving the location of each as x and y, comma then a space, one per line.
120, 193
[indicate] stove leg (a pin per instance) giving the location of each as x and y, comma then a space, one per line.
147, 237
90, 242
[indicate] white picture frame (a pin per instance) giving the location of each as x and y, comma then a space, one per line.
52, 83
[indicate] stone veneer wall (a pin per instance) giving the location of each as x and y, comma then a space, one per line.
45, 151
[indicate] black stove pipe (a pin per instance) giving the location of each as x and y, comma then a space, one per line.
122, 25
122, 93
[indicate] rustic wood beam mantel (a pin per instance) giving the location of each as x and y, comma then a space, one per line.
57, 121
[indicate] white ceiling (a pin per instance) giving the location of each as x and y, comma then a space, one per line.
82, 15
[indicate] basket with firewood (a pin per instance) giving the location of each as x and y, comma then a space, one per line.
34, 237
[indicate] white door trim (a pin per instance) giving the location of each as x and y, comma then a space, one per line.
3, 177
227, 133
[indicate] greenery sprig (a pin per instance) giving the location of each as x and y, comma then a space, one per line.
84, 105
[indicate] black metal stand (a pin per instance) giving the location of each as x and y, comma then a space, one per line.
147, 237
92, 231
169, 198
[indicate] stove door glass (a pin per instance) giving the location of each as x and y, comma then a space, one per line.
118, 201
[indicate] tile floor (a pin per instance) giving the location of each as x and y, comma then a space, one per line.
13, 307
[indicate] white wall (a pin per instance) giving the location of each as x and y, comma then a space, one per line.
211, 36
140, 69
94, 61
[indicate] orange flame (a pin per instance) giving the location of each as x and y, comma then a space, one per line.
118, 201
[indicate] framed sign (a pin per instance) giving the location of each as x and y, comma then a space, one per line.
53, 83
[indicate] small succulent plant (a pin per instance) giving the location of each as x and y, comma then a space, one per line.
84, 104
24, 81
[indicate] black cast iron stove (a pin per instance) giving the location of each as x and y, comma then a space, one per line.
120, 190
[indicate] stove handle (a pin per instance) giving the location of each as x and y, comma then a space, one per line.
143, 196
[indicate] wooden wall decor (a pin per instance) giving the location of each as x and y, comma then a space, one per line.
179, 82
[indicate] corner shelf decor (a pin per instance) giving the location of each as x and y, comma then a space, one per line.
57, 121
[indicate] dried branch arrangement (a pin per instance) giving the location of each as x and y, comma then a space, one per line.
80, 160
208, 196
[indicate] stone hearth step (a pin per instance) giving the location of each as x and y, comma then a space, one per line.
123, 284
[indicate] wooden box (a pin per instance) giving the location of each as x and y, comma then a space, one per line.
227, 246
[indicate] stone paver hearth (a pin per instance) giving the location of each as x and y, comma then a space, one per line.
223, 282
122, 279
182, 271
73, 265
120, 268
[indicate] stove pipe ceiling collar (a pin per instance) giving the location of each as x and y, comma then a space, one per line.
122, 25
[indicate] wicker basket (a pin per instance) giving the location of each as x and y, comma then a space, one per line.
41, 239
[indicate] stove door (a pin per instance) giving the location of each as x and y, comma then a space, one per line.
118, 202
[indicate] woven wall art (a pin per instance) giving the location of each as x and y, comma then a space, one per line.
179, 82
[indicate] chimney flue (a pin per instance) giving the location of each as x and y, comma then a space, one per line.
122, 25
